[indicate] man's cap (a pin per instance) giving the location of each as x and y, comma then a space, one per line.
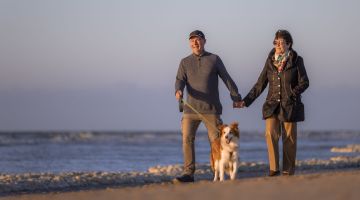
196, 33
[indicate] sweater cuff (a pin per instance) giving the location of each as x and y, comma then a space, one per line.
236, 98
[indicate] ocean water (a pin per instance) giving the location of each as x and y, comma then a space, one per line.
55, 152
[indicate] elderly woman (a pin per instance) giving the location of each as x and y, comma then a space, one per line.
284, 70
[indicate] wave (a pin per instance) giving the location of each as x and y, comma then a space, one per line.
351, 148
9, 138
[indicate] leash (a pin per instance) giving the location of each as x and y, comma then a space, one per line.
197, 112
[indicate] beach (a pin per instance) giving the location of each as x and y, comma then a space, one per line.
35, 163
50, 183
95, 98
342, 184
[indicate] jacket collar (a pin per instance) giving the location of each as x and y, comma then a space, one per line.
290, 63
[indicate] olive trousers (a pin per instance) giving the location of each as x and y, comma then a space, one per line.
189, 126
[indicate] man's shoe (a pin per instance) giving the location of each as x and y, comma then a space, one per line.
184, 179
274, 173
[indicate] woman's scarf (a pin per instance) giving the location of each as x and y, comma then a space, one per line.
281, 60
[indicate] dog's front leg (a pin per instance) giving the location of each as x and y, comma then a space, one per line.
234, 170
222, 170
216, 170
216, 175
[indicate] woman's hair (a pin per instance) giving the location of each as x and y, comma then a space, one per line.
284, 34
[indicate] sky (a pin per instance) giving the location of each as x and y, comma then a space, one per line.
111, 65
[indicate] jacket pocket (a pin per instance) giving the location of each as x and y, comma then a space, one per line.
293, 97
269, 108
293, 111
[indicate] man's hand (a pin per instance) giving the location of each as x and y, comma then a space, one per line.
239, 104
178, 95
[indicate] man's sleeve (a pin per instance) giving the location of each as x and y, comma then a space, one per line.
230, 84
180, 78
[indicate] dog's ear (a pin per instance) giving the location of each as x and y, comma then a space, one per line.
235, 126
220, 127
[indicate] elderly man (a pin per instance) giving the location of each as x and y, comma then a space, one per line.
199, 73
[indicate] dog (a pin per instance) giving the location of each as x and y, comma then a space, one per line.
224, 155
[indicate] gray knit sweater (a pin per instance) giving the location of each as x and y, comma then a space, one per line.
200, 76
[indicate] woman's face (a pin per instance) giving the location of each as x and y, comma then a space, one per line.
281, 46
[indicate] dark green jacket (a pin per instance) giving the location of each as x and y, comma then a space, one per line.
285, 89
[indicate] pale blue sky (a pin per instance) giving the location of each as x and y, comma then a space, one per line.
111, 65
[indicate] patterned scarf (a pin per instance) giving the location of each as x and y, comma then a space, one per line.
281, 60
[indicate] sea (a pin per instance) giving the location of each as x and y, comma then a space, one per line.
88, 151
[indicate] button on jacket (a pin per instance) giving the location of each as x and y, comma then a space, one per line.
285, 89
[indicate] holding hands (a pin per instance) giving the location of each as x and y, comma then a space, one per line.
238, 104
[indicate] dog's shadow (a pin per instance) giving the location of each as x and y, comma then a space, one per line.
243, 173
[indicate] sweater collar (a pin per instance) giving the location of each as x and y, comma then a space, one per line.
201, 55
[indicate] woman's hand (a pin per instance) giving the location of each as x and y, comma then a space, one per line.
239, 104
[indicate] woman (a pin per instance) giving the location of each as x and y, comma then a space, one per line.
285, 73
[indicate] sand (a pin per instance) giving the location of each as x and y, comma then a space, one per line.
13, 184
323, 185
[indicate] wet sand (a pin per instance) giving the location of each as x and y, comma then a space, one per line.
321, 185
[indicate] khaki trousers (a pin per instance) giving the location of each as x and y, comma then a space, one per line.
288, 130
189, 126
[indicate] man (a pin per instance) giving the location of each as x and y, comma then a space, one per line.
199, 73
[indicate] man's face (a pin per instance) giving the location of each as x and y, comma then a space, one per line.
197, 45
